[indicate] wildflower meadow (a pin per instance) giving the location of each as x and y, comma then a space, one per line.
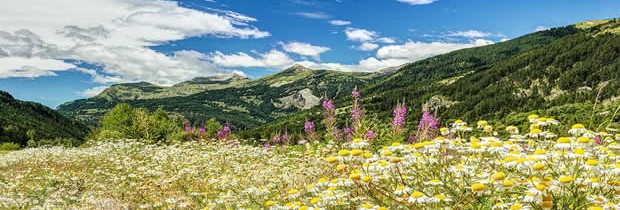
361, 164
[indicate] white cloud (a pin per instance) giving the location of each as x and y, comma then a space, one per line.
90, 92
304, 49
115, 34
388, 40
541, 28
313, 15
340, 22
31, 67
416, 2
419, 50
396, 55
271, 59
470, 34
367, 46
360, 35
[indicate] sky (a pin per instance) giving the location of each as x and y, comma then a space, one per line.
56, 51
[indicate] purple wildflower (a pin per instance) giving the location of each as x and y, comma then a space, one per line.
348, 132
356, 93
286, 137
428, 126
188, 128
399, 114
266, 144
225, 132
202, 129
330, 115
370, 135
220, 135
598, 140
309, 127
412, 139
276, 139
337, 134
328, 104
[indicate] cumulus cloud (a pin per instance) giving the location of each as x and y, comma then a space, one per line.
360, 35
388, 40
416, 2
340, 22
304, 49
313, 15
396, 55
38, 37
90, 92
31, 67
413, 50
271, 59
470, 34
367, 46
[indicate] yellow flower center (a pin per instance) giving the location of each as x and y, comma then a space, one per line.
355, 176
592, 162
270, 203
357, 152
578, 126
566, 179
499, 176
478, 187
417, 194
538, 166
563, 140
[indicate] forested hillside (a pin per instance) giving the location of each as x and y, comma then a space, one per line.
22, 121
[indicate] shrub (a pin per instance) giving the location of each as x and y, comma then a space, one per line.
8, 146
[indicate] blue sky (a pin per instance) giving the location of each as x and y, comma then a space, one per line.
51, 54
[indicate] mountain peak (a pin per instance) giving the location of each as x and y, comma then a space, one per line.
294, 70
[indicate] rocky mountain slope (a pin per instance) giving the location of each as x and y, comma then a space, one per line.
245, 103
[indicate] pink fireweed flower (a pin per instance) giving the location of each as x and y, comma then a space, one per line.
412, 139
188, 128
328, 104
286, 137
399, 114
330, 115
202, 129
370, 135
348, 133
309, 127
276, 139
225, 132
356, 93
428, 126
598, 140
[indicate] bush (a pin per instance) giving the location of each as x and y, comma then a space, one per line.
179, 136
8, 146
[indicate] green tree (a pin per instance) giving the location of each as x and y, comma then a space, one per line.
119, 119
143, 124
213, 126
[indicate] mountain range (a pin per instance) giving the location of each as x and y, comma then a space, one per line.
243, 102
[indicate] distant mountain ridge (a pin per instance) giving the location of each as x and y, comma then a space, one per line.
244, 102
